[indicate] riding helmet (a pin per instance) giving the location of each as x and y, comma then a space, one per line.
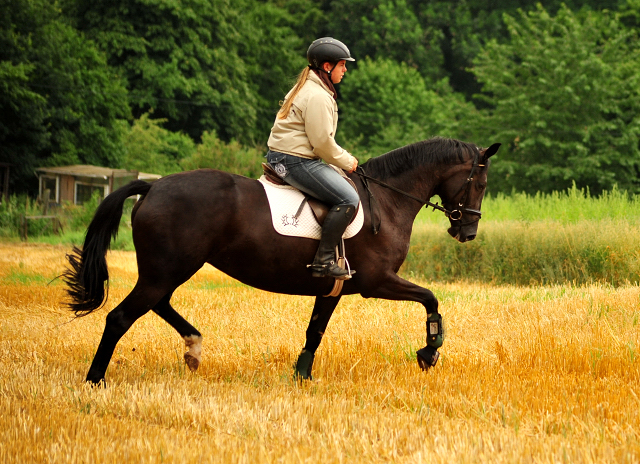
327, 49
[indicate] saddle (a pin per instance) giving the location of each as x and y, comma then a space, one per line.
319, 208
319, 211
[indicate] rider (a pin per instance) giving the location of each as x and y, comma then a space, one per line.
302, 142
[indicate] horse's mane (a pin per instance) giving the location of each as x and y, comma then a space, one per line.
438, 150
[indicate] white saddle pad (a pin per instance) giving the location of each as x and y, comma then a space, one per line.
285, 201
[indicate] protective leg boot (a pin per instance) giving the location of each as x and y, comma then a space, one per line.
336, 222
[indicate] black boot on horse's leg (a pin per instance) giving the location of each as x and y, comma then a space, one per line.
336, 222
322, 311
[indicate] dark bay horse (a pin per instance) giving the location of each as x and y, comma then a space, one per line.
185, 220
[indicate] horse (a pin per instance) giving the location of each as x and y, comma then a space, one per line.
184, 220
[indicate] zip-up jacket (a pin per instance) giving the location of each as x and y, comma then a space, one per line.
309, 129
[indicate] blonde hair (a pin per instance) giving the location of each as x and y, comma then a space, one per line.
286, 106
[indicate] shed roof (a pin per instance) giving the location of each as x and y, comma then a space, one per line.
148, 176
87, 170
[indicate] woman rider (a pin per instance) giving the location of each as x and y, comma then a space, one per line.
302, 142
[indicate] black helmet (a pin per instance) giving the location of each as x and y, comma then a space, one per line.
327, 49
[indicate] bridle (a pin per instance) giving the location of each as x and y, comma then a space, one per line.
462, 209
454, 214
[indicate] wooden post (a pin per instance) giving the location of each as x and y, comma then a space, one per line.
45, 200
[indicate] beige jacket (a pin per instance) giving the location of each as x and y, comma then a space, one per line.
309, 129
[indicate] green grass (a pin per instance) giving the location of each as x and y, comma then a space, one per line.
568, 207
18, 276
71, 238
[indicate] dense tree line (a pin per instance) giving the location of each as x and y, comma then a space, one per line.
166, 85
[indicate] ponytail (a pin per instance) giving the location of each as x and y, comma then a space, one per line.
286, 106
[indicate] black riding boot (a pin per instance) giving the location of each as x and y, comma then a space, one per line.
336, 222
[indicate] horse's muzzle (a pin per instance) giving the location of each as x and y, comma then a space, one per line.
464, 232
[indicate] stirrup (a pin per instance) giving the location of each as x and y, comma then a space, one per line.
330, 270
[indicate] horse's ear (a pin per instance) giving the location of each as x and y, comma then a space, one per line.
492, 150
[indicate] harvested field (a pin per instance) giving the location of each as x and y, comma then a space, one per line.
527, 374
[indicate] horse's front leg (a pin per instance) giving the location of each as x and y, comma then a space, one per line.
396, 288
322, 311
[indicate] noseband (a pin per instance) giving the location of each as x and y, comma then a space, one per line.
454, 215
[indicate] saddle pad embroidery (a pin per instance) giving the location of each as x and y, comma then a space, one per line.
285, 201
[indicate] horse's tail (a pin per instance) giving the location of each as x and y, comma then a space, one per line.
88, 276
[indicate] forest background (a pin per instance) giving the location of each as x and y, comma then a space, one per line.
168, 85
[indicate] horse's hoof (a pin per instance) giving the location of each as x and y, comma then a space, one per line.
300, 377
192, 357
427, 357
304, 365
192, 362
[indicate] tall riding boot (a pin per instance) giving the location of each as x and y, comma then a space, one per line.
336, 222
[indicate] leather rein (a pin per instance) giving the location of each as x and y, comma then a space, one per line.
454, 215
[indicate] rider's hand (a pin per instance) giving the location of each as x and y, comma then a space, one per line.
355, 165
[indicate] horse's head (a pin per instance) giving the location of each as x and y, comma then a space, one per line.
463, 191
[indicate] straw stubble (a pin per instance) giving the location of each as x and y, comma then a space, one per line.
527, 374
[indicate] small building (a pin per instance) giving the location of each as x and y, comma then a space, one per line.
78, 183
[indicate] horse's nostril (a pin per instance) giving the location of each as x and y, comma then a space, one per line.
471, 237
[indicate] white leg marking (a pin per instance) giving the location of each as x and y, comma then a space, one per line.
194, 355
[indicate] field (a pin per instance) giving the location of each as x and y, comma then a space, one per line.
527, 374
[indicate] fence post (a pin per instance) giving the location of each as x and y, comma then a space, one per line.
46, 195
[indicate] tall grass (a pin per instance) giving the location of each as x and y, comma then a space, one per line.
522, 253
73, 219
563, 237
567, 207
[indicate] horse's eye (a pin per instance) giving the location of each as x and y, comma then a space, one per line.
481, 186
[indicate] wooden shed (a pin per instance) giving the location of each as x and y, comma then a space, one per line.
77, 183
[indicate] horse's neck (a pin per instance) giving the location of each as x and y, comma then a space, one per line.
419, 183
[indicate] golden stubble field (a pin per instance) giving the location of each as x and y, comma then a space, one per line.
547, 374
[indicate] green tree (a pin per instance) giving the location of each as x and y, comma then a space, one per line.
273, 55
387, 29
23, 134
465, 26
630, 13
387, 104
440, 38
230, 157
60, 102
564, 99
151, 148
200, 64
86, 101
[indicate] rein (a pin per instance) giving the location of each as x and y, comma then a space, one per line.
454, 215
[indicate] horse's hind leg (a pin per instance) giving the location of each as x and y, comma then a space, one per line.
322, 311
135, 305
192, 338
